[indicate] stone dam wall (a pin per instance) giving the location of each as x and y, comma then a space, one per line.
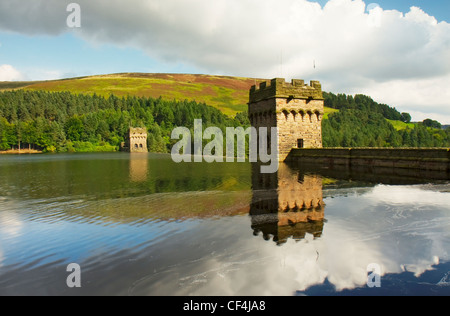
431, 159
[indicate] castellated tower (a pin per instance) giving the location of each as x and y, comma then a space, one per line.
295, 108
137, 140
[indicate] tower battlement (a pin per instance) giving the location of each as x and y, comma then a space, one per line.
279, 88
138, 131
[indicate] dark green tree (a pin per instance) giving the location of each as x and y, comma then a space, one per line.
406, 117
432, 123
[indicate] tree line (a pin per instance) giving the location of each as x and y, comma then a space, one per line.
362, 122
67, 122
365, 103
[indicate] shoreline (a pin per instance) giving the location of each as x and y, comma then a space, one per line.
20, 152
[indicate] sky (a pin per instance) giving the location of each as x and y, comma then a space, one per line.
396, 51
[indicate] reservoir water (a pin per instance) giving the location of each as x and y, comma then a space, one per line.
139, 224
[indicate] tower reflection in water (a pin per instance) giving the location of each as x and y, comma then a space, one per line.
138, 167
286, 204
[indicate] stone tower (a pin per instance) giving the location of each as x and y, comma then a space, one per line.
137, 140
295, 108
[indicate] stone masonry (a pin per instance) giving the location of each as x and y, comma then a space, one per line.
137, 140
295, 108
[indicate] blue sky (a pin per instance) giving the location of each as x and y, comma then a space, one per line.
66, 55
398, 57
440, 9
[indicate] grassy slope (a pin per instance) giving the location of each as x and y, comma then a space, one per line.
329, 111
11, 85
399, 125
228, 94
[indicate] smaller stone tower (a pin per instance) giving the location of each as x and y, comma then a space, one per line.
295, 108
137, 140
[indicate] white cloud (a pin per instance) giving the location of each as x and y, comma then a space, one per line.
414, 195
274, 270
421, 97
44, 74
399, 228
9, 73
341, 256
384, 52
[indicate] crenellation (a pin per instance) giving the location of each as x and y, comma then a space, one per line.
279, 88
298, 82
316, 85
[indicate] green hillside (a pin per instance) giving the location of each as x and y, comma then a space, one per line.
228, 94
359, 121
11, 85
399, 125
329, 111
67, 122
94, 113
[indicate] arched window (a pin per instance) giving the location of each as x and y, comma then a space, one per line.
302, 113
318, 116
294, 114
